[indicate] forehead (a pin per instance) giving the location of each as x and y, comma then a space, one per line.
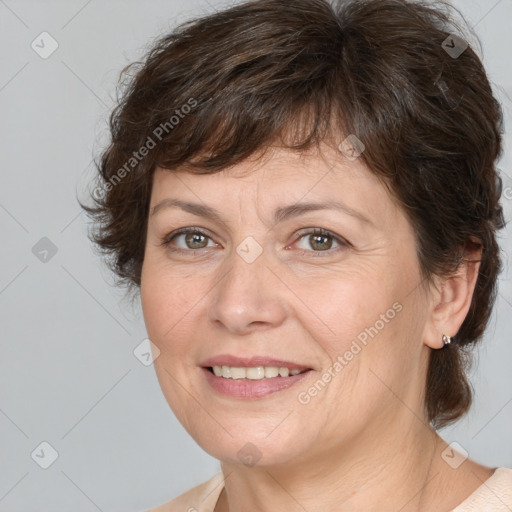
280, 177
273, 169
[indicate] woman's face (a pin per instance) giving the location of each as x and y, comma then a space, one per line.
258, 283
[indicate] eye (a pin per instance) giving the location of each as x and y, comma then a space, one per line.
321, 240
193, 238
318, 239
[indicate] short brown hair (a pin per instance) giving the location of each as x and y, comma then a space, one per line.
221, 87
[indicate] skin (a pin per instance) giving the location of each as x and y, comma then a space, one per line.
363, 443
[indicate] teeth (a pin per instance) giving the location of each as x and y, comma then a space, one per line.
236, 373
253, 373
284, 372
271, 371
256, 373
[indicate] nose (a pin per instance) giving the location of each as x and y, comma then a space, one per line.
248, 296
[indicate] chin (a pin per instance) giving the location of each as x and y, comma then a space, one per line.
252, 446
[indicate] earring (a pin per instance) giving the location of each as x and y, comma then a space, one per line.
446, 340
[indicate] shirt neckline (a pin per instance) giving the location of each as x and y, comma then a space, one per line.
216, 486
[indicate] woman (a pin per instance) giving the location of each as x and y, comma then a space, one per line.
305, 196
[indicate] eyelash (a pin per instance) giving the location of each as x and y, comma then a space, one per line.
166, 241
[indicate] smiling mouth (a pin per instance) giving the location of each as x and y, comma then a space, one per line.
254, 372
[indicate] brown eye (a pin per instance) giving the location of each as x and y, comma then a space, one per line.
195, 240
320, 240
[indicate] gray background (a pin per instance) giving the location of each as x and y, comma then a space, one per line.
68, 374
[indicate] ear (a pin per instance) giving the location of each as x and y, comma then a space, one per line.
451, 298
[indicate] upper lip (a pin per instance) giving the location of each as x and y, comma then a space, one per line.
248, 362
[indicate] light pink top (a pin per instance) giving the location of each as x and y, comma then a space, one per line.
494, 495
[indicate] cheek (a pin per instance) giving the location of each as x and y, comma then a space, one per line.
168, 317
362, 344
365, 322
154, 296
347, 308
167, 305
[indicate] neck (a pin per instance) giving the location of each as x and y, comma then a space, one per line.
362, 474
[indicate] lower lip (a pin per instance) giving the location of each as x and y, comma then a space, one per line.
246, 388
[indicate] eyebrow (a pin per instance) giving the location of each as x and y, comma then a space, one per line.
280, 214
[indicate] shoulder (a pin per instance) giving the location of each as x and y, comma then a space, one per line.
201, 498
494, 495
